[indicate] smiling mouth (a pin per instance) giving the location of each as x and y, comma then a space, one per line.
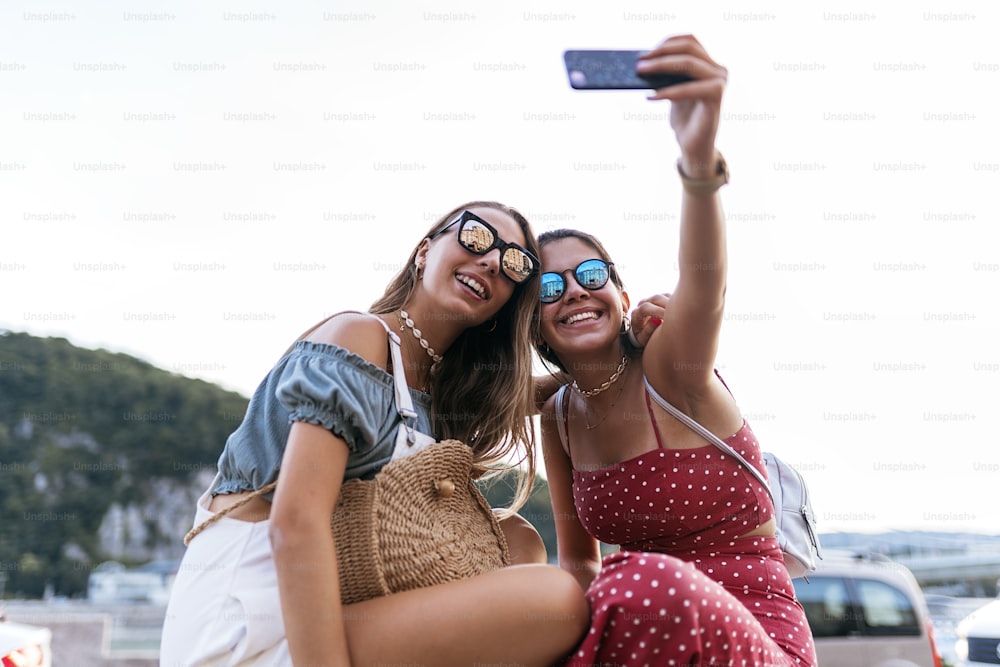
581, 317
473, 285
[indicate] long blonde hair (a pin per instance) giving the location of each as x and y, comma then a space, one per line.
481, 392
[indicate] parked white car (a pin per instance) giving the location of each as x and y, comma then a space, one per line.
867, 612
979, 637
25, 645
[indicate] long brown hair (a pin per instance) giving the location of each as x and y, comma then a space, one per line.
481, 392
546, 352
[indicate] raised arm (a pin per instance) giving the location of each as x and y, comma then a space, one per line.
680, 355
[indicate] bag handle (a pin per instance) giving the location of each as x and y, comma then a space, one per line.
191, 534
706, 434
561, 418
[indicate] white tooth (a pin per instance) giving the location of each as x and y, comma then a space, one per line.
573, 319
474, 285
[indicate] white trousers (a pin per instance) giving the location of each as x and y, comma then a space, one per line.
224, 609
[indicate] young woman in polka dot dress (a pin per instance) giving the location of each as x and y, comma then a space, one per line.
699, 579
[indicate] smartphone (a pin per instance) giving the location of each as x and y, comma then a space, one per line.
612, 70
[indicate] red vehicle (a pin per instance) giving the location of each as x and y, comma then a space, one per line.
25, 645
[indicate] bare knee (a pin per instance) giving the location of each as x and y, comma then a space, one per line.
526, 545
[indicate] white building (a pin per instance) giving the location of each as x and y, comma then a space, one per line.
113, 582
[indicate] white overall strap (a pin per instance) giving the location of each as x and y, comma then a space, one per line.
705, 433
404, 402
408, 439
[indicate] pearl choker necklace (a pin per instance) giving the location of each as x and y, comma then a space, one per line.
405, 321
590, 393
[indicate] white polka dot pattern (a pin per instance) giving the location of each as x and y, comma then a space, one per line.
651, 609
686, 588
675, 499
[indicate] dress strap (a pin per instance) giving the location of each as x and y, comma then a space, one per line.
705, 433
718, 375
652, 420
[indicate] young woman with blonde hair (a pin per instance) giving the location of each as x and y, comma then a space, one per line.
260, 586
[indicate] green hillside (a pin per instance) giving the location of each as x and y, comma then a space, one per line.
79, 430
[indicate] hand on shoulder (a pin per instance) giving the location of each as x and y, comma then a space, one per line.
546, 385
646, 317
547, 410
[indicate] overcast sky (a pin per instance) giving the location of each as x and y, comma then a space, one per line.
196, 183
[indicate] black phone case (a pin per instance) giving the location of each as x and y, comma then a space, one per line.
612, 70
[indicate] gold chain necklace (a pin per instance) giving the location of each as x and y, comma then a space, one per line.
590, 393
405, 321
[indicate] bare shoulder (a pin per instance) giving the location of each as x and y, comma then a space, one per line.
360, 333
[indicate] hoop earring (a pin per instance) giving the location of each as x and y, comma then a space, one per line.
626, 324
494, 327
419, 271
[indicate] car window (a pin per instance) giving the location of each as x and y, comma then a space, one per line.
828, 607
886, 609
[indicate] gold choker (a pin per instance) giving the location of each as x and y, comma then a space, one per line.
590, 393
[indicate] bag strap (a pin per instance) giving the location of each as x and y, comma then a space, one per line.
561, 405
191, 534
706, 434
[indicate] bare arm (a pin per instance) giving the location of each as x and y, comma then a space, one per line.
693, 316
680, 355
312, 471
304, 554
579, 553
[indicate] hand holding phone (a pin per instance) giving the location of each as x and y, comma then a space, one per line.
612, 70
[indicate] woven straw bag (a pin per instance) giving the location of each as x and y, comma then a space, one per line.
420, 522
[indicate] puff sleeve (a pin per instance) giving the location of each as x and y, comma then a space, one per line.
318, 386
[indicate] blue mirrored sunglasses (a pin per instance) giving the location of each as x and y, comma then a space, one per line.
591, 274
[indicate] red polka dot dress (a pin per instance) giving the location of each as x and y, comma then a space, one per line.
685, 589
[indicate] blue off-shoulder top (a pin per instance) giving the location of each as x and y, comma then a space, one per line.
320, 384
